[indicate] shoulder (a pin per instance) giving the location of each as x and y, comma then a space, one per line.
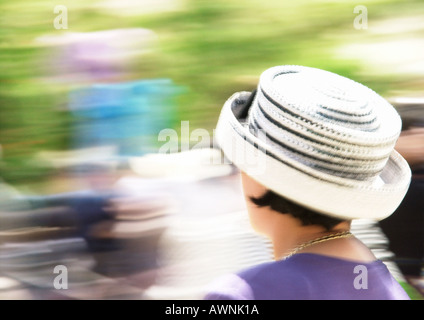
252, 283
229, 287
308, 276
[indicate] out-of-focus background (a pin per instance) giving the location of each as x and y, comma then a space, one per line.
93, 93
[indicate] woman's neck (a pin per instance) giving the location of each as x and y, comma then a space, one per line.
290, 235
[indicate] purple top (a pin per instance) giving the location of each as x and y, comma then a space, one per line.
309, 276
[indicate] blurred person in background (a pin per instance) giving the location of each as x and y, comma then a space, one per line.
112, 105
100, 233
405, 228
115, 115
316, 151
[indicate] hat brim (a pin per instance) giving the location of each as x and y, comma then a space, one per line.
324, 193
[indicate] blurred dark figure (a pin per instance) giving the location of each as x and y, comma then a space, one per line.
121, 229
405, 228
118, 231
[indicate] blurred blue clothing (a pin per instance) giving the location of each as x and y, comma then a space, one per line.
128, 115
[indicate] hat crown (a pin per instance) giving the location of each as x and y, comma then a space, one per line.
328, 97
325, 121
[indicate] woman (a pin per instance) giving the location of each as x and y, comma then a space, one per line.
316, 151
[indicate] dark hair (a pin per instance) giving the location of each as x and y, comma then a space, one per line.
285, 206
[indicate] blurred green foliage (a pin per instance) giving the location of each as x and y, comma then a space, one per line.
213, 48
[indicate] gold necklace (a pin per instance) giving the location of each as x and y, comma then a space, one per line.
333, 236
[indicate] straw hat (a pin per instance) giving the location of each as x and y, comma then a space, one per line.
319, 139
